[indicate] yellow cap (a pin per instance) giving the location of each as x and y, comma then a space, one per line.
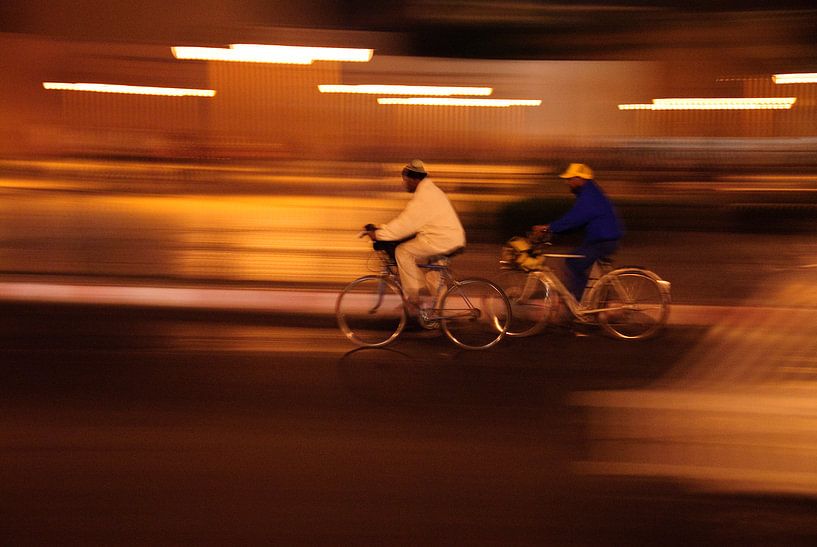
577, 170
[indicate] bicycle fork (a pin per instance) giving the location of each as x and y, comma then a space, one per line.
381, 291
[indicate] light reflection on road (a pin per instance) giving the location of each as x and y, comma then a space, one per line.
269, 339
738, 412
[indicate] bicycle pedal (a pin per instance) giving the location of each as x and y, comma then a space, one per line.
430, 325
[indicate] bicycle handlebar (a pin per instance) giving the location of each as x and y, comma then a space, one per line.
543, 237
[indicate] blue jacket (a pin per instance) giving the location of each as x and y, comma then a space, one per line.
592, 211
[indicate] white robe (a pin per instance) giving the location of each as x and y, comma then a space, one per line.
430, 215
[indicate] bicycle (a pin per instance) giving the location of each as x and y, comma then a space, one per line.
372, 310
628, 302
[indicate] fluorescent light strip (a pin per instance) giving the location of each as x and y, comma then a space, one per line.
737, 103
349, 55
261, 53
130, 89
725, 103
374, 89
446, 101
801, 78
246, 56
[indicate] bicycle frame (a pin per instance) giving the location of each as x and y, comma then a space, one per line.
389, 271
580, 309
447, 282
552, 281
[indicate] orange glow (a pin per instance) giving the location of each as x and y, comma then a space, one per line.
130, 89
405, 90
445, 101
801, 78
732, 103
261, 53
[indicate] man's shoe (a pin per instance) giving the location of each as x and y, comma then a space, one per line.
413, 308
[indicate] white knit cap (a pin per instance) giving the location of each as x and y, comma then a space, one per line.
416, 166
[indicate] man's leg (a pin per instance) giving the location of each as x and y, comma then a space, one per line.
412, 276
579, 268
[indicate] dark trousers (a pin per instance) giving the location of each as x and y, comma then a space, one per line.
579, 268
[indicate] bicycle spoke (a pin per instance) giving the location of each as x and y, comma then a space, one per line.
531, 302
475, 314
631, 305
370, 311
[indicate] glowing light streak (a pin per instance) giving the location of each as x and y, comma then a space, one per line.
800, 78
447, 101
130, 89
349, 55
737, 103
376, 89
262, 53
640, 106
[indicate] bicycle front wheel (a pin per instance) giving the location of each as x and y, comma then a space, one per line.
531, 302
634, 306
475, 314
370, 311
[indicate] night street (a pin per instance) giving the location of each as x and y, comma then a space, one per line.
187, 187
131, 426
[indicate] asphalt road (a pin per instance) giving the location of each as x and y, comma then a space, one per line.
136, 426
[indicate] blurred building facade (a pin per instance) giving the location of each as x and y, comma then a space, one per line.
269, 111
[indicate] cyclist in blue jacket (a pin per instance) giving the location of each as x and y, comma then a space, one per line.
593, 211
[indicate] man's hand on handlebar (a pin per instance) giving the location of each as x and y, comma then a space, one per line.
368, 230
540, 232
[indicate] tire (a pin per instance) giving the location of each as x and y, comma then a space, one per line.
641, 304
531, 302
475, 314
370, 311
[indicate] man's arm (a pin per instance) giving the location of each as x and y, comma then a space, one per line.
578, 216
406, 224
538, 231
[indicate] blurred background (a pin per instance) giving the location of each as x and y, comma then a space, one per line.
267, 131
205, 169
580, 61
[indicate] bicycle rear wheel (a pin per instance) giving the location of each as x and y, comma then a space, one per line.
370, 311
475, 314
531, 302
635, 305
